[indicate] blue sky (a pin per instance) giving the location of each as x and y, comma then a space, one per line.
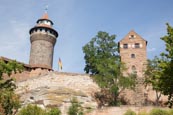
77, 21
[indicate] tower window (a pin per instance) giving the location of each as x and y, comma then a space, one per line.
125, 46
132, 55
40, 29
137, 45
131, 37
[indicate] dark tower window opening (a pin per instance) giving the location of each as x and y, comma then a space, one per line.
133, 56
125, 46
137, 45
131, 37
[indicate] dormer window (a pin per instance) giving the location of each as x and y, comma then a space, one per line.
125, 46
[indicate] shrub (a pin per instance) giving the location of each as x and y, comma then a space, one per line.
170, 112
158, 112
75, 108
54, 111
129, 112
142, 113
31, 110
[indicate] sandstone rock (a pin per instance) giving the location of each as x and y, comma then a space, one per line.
57, 89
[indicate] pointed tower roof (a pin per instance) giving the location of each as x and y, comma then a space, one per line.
132, 32
45, 16
44, 22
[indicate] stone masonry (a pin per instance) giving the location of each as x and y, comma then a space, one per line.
43, 38
133, 55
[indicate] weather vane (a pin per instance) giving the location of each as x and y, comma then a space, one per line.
46, 8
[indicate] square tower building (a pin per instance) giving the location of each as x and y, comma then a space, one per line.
132, 49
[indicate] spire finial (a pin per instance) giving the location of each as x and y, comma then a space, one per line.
46, 8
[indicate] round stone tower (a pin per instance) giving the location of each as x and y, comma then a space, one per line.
43, 38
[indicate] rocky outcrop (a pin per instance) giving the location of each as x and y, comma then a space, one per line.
55, 89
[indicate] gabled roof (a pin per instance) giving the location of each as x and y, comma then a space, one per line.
132, 32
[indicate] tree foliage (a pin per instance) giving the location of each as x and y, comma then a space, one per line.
103, 63
152, 76
166, 65
9, 101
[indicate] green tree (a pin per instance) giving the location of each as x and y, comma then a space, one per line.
166, 65
9, 101
103, 63
152, 76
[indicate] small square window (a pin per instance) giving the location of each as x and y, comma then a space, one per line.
137, 45
132, 55
125, 46
131, 36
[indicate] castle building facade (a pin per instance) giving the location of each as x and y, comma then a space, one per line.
43, 38
132, 49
